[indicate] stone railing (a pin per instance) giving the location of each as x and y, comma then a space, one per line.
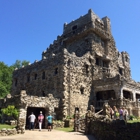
6, 132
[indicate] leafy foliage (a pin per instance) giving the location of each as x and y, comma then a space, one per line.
18, 64
10, 111
6, 76
5, 79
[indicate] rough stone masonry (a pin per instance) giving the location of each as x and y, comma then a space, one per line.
81, 68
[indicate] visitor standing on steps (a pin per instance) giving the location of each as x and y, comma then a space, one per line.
49, 119
40, 120
32, 121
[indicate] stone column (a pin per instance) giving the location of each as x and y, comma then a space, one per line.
134, 95
119, 93
21, 121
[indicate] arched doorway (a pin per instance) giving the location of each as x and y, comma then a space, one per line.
36, 111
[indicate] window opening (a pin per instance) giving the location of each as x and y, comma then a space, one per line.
87, 71
74, 27
68, 63
97, 61
43, 93
28, 78
82, 90
35, 76
43, 75
120, 71
56, 71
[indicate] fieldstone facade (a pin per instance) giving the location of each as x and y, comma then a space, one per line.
81, 68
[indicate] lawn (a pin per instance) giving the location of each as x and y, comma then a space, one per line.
133, 121
6, 126
66, 129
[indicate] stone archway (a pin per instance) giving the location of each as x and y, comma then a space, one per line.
36, 111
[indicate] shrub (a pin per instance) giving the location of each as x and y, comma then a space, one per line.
132, 117
10, 111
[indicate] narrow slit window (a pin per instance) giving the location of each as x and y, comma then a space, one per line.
35, 76
56, 71
43, 75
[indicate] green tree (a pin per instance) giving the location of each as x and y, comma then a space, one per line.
5, 79
6, 73
18, 64
10, 111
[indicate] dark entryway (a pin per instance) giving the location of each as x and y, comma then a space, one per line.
36, 112
127, 94
105, 95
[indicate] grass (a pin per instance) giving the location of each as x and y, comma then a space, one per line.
66, 129
6, 126
133, 121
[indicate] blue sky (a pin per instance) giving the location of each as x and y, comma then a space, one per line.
28, 27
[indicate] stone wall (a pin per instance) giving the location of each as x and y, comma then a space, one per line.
115, 130
6, 132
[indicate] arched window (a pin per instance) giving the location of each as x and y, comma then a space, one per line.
82, 90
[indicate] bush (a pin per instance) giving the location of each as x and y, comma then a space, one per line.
132, 117
10, 111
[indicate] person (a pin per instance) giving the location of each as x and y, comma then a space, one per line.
32, 121
111, 112
116, 113
49, 119
121, 113
125, 113
40, 120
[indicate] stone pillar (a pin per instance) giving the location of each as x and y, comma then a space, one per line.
134, 96
21, 121
121, 93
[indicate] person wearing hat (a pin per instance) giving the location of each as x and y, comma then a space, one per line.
40, 120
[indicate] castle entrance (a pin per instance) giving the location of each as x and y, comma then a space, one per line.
36, 111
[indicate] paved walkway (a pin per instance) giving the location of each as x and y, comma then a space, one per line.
45, 135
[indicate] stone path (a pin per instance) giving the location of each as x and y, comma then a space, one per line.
45, 135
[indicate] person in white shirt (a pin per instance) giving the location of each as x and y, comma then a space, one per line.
32, 121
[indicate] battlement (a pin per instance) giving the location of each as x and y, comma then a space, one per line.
90, 20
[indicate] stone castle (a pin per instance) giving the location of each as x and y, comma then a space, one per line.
81, 68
